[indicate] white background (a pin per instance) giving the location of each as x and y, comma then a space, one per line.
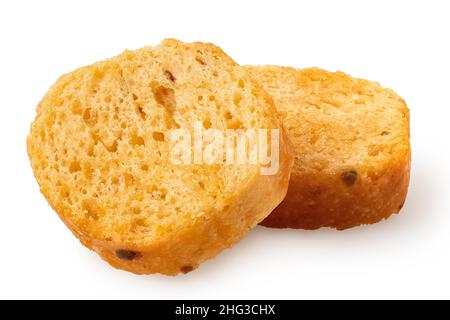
404, 45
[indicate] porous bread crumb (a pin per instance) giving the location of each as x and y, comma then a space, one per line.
99, 152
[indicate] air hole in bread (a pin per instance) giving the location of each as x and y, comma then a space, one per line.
237, 98
136, 210
141, 113
136, 140
163, 193
138, 225
90, 209
228, 115
157, 193
90, 117
76, 107
164, 96
128, 179
114, 180
169, 75
200, 60
313, 140
88, 171
74, 167
112, 147
207, 123
65, 192
375, 149
234, 124
158, 136
42, 135
90, 150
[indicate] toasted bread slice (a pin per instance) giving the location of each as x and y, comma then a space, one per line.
351, 141
101, 153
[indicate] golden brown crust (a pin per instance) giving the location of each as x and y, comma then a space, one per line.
339, 194
370, 200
